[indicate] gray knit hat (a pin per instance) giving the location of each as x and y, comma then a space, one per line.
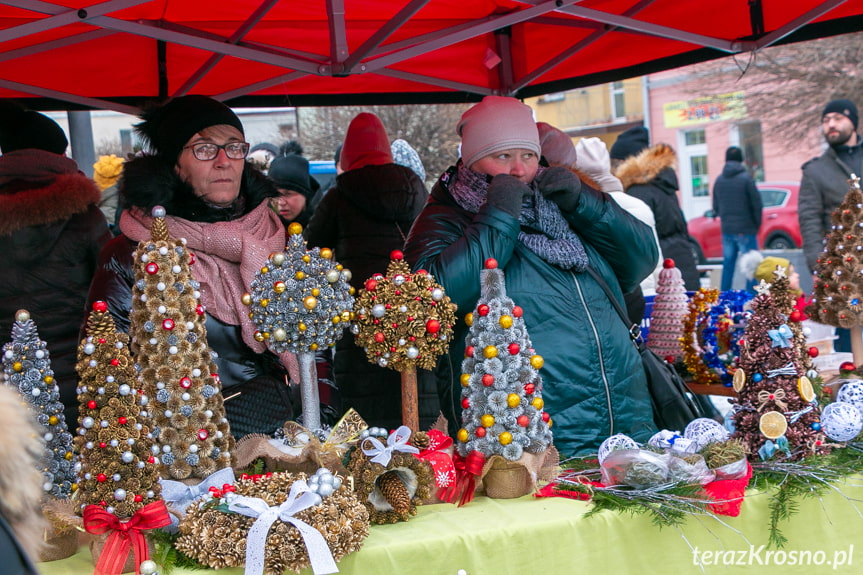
495, 124
405, 155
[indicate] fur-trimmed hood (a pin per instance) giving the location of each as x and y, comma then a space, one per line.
654, 165
147, 182
25, 204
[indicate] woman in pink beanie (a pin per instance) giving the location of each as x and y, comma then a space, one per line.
545, 229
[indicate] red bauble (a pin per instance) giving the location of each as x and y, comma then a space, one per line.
138, 499
669, 359
482, 310
490, 264
152, 268
468, 351
421, 272
103, 445
122, 420
91, 404
100, 306
101, 478
192, 259
480, 432
847, 366
371, 284
523, 420
432, 326
465, 403
168, 324
151, 459
396, 255
668, 263
488, 380
529, 388
517, 311
813, 352
199, 309
545, 416
185, 382
115, 362
203, 434
102, 340
514, 348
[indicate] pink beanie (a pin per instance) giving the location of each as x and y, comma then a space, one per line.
557, 147
366, 143
495, 124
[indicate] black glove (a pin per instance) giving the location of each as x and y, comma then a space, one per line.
561, 186
506, 193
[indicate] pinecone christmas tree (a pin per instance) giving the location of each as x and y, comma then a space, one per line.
27, 367
404, 322
301, 301
838, 289
669, 310
502, 406
785, 298
178, 375
118, 469
774, 412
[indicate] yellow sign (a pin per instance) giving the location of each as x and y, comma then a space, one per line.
703, 110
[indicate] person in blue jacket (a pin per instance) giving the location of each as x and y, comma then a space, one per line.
544, 227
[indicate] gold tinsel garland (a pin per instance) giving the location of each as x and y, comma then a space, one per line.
699, 304
403, 319
217, 539
410, 469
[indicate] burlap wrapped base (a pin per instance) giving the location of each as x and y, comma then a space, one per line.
98, 543
504, 479
58, 544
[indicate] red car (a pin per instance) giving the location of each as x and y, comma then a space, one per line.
780, 229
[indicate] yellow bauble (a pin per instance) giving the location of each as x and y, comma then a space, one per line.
74, 487
313, 346
536, 361
310, 302
465, 379
513, 400
490, 351
462, 435
279, 287
337, 319
537, 402
69, 456
259, 336
346, 316
17, 366
505, 438
326, 253
316, 292
49, 379
468, 319
295, 229
265, 270
339, 267
53, 420
299, 275
487, 420
246, 299
352, 291
550, 422
307, 258
266, 335
302, 327
505, 321
265, 302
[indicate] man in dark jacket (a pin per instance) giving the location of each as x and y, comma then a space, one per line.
737, 204
51, 231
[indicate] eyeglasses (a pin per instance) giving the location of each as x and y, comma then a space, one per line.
206, 151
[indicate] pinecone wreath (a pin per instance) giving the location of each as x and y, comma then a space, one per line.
388, 479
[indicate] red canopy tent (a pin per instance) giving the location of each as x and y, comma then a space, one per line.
75, 54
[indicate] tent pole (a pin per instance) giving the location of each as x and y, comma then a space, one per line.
81, 138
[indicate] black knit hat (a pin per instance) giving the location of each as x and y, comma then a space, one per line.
22, 129
630, 143
168, 127
844, 107
291, 172
733, 154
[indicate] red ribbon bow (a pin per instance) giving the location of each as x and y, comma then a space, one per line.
124, 534
467, 469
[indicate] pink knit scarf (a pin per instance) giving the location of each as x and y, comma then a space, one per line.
227, 256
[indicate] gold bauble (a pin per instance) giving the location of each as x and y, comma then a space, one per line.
313, 346
339, 267
337, 319
310, 302
505, 321
316, 292
265, 270
487, 420
307, 258
468, 319
513, 400
505, 438
536, 361
352, 291
490, 351
299, 275
346, 316
326, 253
17, 366
49, 379
246, 299
279, 287
53, 420
302, 327
22, 315
69, 456
265, 302
537, 402
266, 335
462, 435
259, 336
295, 229
465, 379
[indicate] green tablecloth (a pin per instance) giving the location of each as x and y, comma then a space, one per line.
530, 536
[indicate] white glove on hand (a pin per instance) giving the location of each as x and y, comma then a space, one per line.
592, 159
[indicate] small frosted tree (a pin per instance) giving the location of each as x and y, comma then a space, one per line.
670, 307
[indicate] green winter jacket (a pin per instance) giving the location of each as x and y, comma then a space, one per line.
593, 382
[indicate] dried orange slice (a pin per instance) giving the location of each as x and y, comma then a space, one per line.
773, 425
804, 388
739, 380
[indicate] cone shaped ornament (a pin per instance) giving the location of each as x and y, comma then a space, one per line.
501, 397
178, 376
838, 286
119, 469
670, 307
27, 367
301, 301
404, 322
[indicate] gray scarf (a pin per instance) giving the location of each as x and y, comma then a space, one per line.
555, 241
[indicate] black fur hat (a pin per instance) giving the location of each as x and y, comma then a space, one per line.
22, 129
168, 127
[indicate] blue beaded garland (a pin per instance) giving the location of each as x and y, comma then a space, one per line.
729, 307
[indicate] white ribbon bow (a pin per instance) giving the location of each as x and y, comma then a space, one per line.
301, 497
180, 495
397, 441
666, 439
